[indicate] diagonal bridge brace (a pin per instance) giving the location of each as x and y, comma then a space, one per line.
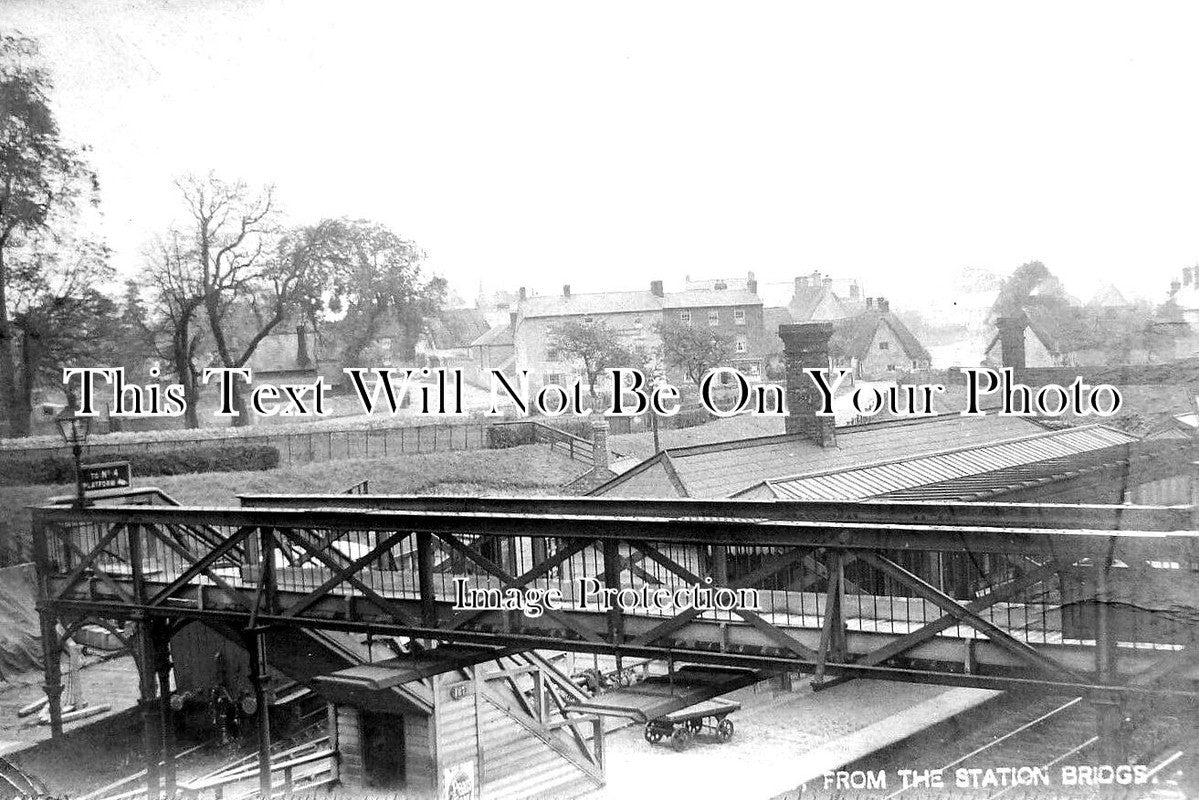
676, 622
343, 573
931, 629
997, 635
497, 571
533, 574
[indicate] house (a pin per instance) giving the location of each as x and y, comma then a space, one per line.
876, 344
815, 301
635, 317
495, 348
1073, 336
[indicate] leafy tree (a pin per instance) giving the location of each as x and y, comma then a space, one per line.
596, 346
42, 181
373, 277
693, 350
61, 317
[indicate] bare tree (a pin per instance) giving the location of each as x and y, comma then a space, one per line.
176, 300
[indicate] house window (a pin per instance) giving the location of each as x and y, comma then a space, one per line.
551, 353
714, 317
588, 320
637, 321
755, 370
890, 368
738, 316
554, 377
884, 345
685, 317
742, 346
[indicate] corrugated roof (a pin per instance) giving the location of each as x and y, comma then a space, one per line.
724, 469
961, 472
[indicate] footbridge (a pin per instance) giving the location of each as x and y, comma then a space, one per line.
1095, 601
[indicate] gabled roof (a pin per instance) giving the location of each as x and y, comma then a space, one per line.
725, 469
852, 337
497, 336
807, 299
963, 473
456, 328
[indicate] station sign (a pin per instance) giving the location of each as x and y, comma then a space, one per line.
110, 475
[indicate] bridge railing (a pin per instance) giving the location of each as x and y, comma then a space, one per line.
851, 592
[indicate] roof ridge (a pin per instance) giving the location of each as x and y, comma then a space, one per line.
1045, 434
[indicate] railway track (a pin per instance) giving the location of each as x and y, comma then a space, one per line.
1041, 735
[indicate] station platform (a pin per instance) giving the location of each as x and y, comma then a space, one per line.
782, 740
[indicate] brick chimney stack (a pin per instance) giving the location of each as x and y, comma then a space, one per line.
655, 288
869, 303
854, 291
1011, 341
751, 284
884, 305
566, 290
523, 294
599, 444
805, 346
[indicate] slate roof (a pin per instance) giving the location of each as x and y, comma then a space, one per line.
632, 302
964, 473
725, 469
700, 298
852, 336
583, 304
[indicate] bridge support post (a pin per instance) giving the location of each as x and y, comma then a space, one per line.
256, 647
166, 718
147, 660
52, 669
51, 647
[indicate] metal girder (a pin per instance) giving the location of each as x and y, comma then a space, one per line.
1008, 515
900, 534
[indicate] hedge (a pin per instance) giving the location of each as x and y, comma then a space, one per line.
18, 471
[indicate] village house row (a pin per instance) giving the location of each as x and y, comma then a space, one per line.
516, 332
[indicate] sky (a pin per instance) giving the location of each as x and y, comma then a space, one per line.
605, 145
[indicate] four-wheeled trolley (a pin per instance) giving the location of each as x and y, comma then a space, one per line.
682, 726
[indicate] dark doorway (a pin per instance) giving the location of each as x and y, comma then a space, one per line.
383, 749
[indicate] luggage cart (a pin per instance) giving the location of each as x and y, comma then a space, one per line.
682, 726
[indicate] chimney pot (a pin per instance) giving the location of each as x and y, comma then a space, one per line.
523, 294
828, 282
805, 346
